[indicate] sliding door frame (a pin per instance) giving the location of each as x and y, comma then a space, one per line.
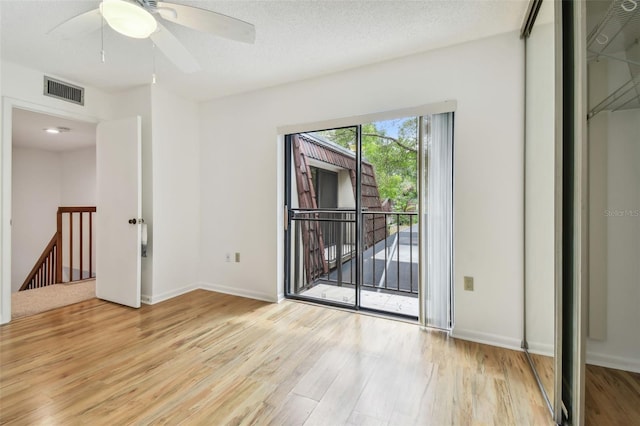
422, 223
359, 216
288, 213
449, 106
575, 264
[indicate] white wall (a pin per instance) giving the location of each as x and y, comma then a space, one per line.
620, 345
614, 275
25, 84
37, 182
241, 179
346, 199
78, 170
5, 202
176, 203
78, 188
42, 181
170, 188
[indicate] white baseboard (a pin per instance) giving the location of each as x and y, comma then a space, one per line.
545, 349
610, 361
235, 291
152, 300
487, 339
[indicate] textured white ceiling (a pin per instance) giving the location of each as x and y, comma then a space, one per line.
28, 132
294, 40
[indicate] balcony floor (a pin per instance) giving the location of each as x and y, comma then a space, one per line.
372, 299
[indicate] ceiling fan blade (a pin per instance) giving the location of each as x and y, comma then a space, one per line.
208, 21
79, 25
174, 50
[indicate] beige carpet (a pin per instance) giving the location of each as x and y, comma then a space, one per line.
31, 302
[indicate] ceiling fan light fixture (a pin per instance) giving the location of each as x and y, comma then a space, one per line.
128, 19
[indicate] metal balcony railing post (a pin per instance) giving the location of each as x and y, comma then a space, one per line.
398, 251
373, 258
411, 253
296, 253
339, 250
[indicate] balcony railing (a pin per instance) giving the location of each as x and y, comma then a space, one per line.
392, 263
324, 249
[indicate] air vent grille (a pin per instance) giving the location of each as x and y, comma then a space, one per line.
64, 91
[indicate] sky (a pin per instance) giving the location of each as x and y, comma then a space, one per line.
390, 127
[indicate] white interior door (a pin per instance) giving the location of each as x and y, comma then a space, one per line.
119, 200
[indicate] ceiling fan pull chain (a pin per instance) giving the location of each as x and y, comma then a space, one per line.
153, 58
102, 38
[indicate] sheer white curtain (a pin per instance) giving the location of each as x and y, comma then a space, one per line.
437, 208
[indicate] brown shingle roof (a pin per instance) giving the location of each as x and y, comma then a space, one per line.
306, 146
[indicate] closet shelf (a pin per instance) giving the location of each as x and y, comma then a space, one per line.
618, 30
617, 37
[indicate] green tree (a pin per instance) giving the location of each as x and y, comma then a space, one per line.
394, 158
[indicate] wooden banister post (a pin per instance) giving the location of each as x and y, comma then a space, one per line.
58, 277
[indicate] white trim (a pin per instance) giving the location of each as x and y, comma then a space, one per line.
43, 109
8, 104
5, 213
610, 361
312, 162
545, 349
487, 339
280, 218
580, 215
435, 108
152, 300
235, 291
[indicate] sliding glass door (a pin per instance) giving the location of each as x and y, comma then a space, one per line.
389, 168
322, 236
354, 233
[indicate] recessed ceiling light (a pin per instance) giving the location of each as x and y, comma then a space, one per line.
56, 130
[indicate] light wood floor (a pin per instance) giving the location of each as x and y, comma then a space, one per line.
208, 358
612, 397
544, 366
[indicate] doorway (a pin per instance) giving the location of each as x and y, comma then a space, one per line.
53, 211
118, 192
355, 236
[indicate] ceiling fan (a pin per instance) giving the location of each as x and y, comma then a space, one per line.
141, 19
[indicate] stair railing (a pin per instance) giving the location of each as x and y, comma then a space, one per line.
60, 253
45, 271
66, 242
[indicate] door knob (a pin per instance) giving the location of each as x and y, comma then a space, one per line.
133, 221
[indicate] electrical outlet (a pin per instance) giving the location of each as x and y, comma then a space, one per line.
237, 257
468, 283
228, 257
